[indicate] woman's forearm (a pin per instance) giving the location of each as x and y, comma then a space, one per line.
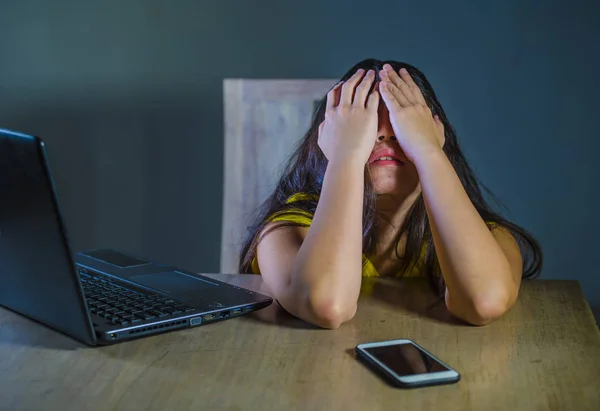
328, 268
475, 269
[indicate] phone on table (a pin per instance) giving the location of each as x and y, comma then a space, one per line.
406, 363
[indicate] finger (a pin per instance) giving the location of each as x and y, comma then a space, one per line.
348, 88
397, 93
391, 76
438, 122
416, 91
373, 101
362, 91
376, 89
441, 129
333, 96
390, 100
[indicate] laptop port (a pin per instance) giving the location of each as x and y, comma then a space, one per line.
236, 311
248, 308
196, 321
225, 314
209, 317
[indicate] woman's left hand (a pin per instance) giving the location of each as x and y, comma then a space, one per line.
417, 131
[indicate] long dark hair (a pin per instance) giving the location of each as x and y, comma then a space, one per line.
304, 174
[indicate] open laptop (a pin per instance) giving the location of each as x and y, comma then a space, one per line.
98, 296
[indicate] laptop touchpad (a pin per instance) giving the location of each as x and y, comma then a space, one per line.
174, 283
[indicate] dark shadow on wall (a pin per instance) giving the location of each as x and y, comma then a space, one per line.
142, 174
596, 312
70, 155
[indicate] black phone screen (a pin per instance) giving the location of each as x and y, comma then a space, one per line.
406, 359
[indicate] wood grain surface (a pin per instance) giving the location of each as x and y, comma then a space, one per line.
543, 355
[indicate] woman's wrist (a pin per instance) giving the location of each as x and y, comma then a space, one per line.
347, 165
430, 158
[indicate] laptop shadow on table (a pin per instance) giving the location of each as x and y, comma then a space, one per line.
24, 332
410, 295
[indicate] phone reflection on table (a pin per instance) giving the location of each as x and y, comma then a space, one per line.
405, 359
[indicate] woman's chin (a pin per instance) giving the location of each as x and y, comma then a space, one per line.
387, 184
390, 180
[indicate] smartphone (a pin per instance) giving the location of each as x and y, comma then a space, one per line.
406, 364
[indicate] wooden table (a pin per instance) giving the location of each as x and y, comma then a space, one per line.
543, 355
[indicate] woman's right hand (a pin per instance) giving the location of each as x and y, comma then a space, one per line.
349, 130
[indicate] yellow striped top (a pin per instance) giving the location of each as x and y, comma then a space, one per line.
304, 219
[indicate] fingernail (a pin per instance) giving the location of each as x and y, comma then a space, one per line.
403, 70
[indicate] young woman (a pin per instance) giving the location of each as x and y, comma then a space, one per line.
380, 187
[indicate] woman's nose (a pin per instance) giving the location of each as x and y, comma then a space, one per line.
384, 126
384, 137
385, 131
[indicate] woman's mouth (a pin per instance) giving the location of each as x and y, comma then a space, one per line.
386, 161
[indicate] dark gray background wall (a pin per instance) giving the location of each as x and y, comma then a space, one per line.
128, 95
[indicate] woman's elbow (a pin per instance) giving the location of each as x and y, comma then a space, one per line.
486, 312
331, 314
481, 311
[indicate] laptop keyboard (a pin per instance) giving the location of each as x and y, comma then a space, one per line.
124, 306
